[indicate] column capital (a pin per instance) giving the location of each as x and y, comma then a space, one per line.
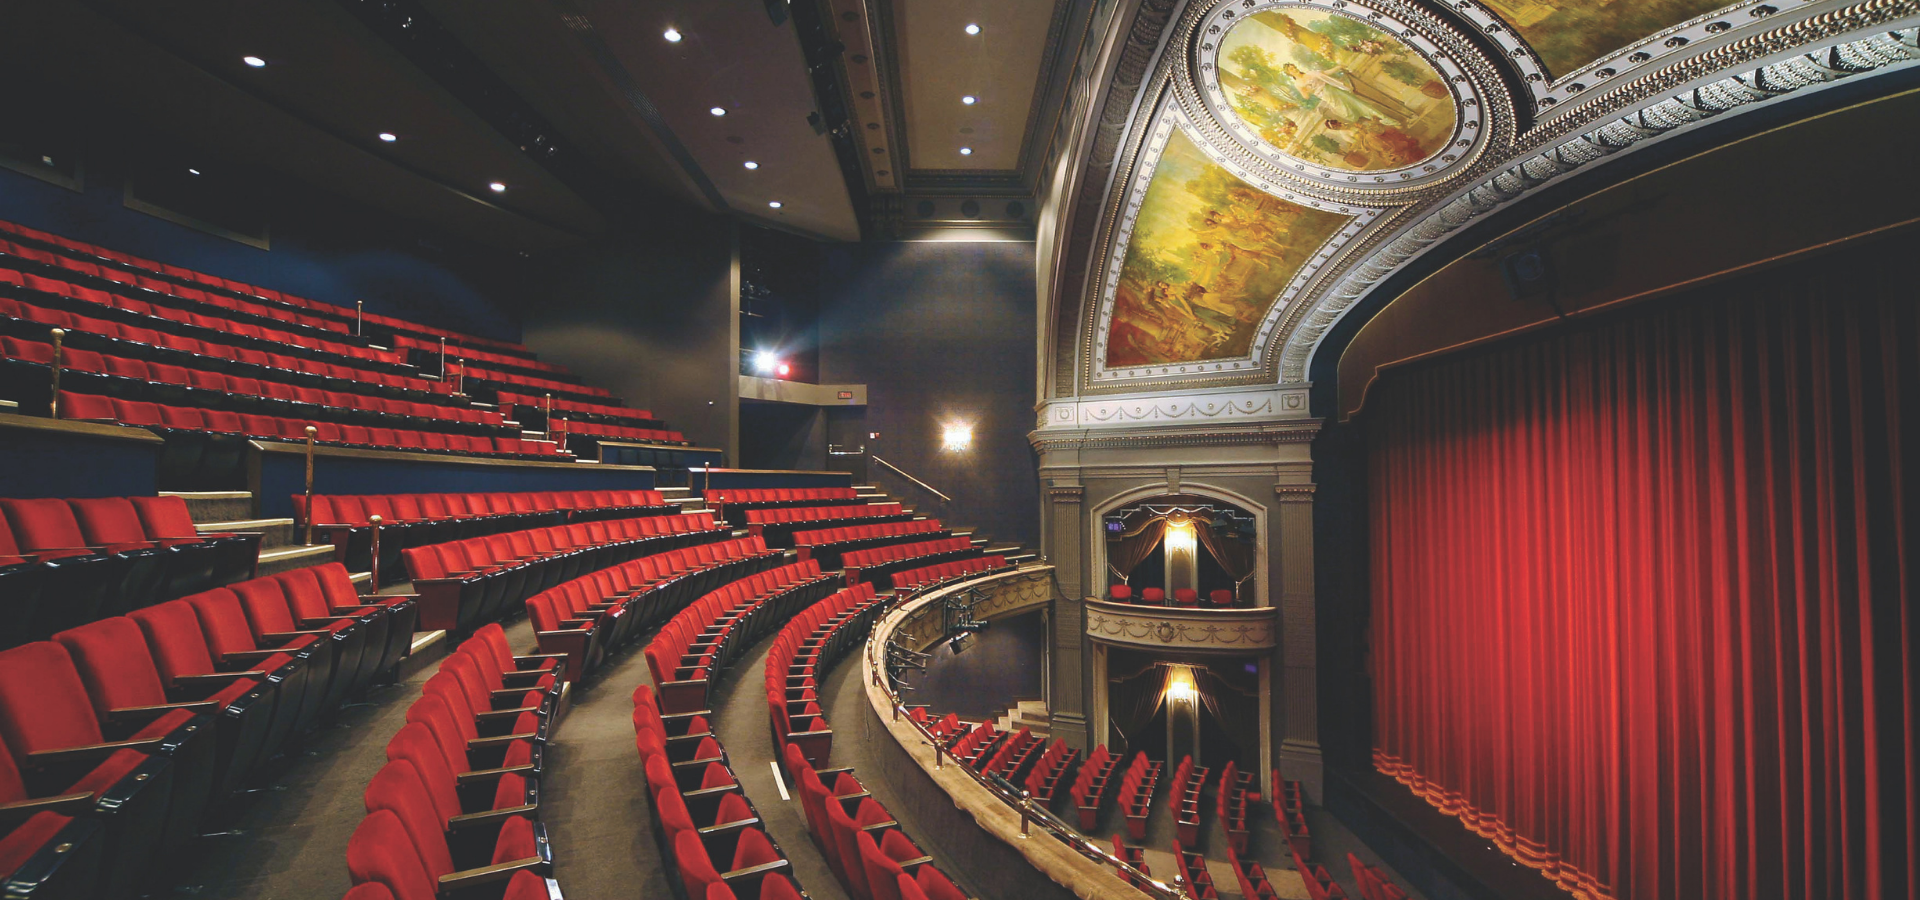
1066, 493
1293, 493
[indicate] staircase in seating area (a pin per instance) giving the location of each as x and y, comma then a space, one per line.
1015, 554
1028, 714
280, 548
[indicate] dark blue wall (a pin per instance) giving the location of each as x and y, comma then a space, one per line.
37, 463
939, 332
323, 248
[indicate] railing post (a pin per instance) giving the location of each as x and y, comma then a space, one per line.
443, 360
359, 313
375, 522
53, 404
311, 431
1026, 812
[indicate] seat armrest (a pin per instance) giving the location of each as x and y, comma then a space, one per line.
478, 775
469, 820
499, 740
880, 826
256, 655
211, 677
759, 871
453, 881
143, 713
12, 814
290, 635
89, 751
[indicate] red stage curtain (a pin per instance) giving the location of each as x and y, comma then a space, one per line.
1643, 591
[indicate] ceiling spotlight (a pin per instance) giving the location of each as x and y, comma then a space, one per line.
193, 171
253, 61
774, 203
389, 136
751, 164
956, 437
672, 35
969, 100
966, 151
973, 28
718, 110
764, 361
497, 187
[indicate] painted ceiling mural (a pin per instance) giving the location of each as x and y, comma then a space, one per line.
1285, 156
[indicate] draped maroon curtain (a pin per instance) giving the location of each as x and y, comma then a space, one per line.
1644, 591
1131, 549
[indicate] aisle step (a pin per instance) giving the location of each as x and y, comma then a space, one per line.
213, 506
274, 532
286, 559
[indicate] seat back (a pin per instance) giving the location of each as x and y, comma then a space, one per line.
113, 661
43, 703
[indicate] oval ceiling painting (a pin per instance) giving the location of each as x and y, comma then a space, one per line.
1333, 91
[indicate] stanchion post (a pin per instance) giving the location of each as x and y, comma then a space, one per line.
311, 431
53, 403
359, 315
375, 522
443, 360
1026, 812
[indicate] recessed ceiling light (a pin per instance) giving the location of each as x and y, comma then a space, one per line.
774, 203
966, 151
672, 35
718, 110
751, 164
193, 171
498, 188
969, 100
253, 61
389, 136
973, 28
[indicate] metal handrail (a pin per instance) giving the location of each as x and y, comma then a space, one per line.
902, 473
1004, 790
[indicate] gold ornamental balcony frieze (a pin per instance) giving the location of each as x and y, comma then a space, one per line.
1229, 631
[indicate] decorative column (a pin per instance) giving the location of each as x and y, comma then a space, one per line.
1067, 682
1294, 662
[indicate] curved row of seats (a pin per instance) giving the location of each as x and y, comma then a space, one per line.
464, 584
575, 410
1195, 877
805, 648
590, 615
455, 809
1230, 801
119, 733
1089, 787
475, 379
75, 255
1252, 877
960, 569
1135, 797
413, 520
700, 815
710, 633
735, 503
843, 818
827, 544
879, 562
68, 562
456, 351
1182, 597
110, 315
779, 523
573, 429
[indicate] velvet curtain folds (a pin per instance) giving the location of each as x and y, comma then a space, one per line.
1644, 596
1236, 557
1126, 554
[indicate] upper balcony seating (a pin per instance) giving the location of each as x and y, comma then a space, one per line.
1090, 787
467, 583
828, 544
880, 562
734, 503
64, 563
709, 634
412, 520
600, 611
805, 648
1183, 598
929, 576
79, 256
778, 524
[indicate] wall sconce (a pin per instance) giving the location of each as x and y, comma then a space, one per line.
956, 438
1180, 537
1180, 685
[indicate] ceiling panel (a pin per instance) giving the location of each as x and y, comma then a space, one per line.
939, 63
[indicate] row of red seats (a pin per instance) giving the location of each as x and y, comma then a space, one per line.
538, 406
455, 809
861, 565
699, 812
1192, 873
66, 269
87, 372
785, 514
821, 537
842, 819
1135, 857
1182, 597
927, 576
800, 655
1289, 810
99, 300
413, 520
973, 747
1183, 801
266, 361
621, 432
736, 496
1254, 884
457, 351
1011, 754
709, 634
464, 584
1045, 776
1135, 796
590, 615
1373, 880
1230, 801
119, 734
74, 251
64, 563
470, 374
1090, 786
